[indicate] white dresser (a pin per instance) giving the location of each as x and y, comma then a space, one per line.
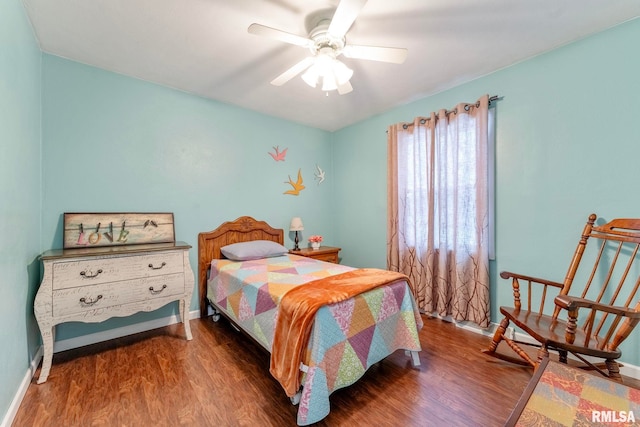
95, 284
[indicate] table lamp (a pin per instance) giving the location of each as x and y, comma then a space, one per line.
297, 226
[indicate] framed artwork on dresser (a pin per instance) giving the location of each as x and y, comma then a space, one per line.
85, 230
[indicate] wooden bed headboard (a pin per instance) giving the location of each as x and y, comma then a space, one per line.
243, 229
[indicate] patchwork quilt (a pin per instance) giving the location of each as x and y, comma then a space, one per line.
347, 337
561, 395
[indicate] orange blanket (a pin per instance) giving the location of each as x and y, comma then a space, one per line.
298, 308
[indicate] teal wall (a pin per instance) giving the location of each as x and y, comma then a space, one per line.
568, 144
19, 196
115, 144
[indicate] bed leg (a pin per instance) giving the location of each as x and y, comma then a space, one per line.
415, 357
295, 399
216, 315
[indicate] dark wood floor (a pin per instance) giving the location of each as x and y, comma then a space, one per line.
221, 378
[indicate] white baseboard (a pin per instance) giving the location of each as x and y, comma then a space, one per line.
22, 390
628, 370
71, 343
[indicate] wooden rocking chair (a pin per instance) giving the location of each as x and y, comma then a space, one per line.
589, 322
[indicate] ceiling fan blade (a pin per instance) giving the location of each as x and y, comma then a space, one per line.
394, 55
345, 88
262, 30
292, 72
345, 15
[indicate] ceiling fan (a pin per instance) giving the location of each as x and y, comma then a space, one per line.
326, 41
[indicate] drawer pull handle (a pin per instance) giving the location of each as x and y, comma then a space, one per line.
90, 276
157, 268
90, 301
153, 291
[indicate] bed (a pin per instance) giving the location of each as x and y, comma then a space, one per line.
322, 336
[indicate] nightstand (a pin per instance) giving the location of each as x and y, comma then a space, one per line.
325, 253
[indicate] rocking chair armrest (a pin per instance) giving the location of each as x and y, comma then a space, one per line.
510, 275
571, 303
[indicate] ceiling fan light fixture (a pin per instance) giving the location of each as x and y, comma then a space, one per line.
329, 82
311, 76
329, 70
342, 72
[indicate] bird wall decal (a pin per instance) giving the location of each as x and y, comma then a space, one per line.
297, 186
278, 156
319, 175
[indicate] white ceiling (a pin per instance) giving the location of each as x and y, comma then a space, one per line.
203, 47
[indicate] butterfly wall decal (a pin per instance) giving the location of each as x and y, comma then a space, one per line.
319, 175
297, 186
278, 156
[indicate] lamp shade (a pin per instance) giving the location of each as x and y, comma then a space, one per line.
296, 224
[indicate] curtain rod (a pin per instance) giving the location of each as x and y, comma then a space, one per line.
491, 99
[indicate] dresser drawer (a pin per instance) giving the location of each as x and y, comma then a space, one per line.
324, 253
90, 298
94, 271
333, 257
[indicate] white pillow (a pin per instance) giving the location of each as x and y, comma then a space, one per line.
255, 249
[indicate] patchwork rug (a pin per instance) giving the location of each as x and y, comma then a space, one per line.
561, 395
